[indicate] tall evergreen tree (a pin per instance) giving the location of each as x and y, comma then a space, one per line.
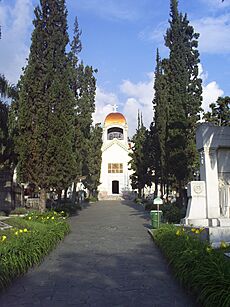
84, 87
220, 112
184, 96
139, 164
7, 155
46, 104
160, 103
93, 160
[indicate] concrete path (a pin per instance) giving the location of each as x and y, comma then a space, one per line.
108, 260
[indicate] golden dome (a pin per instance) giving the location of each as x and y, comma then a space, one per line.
115, 118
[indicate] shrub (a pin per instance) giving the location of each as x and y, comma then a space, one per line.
2, 213
91, 199
27, 242
196, 264
19, 210
64, 205
138, 200
171, 213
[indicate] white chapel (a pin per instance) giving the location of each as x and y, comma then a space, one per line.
115, 173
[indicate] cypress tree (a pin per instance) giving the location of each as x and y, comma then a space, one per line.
93, 160
220, 112
83, 84
139, 163
160, 103
46, 104
184, 96
7, 154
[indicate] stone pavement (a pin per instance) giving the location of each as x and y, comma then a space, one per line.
109, 259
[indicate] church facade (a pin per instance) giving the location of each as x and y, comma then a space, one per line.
115, 173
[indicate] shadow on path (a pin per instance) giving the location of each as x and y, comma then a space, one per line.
107, 260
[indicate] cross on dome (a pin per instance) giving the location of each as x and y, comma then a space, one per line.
115, 107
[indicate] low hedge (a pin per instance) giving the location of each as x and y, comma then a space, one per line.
200, 268
27, 242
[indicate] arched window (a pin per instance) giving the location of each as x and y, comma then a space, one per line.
115, 133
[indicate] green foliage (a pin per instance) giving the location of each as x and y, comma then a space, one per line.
93, 160
199, 267
64, 206
7, 156
184, 97
19, 210
220, 112
46, 104
28, 242
88, 139
160, 122
91, 199
139, 162
172, 213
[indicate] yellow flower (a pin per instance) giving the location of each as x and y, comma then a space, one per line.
52, 218
3, 238
25, 230
16, 233
29, 218
223, 244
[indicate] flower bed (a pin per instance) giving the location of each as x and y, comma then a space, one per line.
28, 241
200, 268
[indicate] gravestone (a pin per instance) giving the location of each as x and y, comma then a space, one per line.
10, 192
5, 191
209, 199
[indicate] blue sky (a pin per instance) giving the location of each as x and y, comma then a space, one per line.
120, 38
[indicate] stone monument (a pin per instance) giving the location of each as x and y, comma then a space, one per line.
209, 199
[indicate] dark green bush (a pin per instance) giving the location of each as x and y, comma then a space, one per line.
171, 213
27, 242
91, 199
197, 265
64, 205
19, 210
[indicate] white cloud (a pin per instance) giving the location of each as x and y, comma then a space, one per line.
216, 4
211, 90
139, 97
109, 9
214, 34
104, 104
16, 24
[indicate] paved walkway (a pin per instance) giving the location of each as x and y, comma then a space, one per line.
108, 260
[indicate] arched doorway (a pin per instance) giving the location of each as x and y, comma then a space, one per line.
115, 187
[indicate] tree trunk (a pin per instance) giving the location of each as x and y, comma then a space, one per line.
59, 196
156, 186
74, 193
139, 192
42, 200
180, 198
65, 194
